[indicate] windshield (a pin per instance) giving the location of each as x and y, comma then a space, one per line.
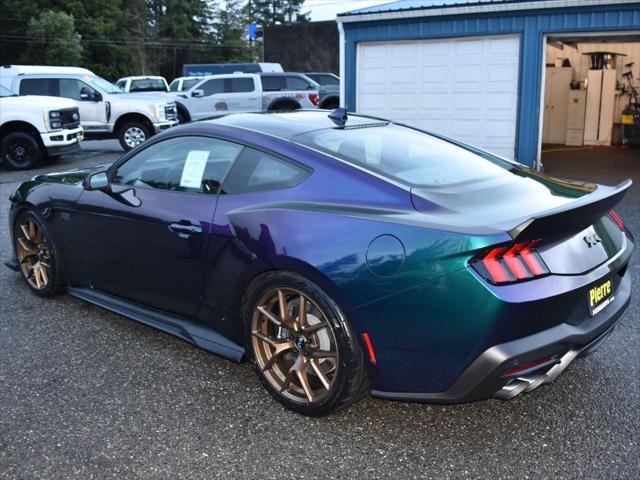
5, 92
187, 84
408, 156
102, 84
148, 85
323, 79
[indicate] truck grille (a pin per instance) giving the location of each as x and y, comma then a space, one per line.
70, 117
170, 111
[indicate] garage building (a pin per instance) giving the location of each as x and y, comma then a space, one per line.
475, 70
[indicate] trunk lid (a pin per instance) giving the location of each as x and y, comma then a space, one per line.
570, 218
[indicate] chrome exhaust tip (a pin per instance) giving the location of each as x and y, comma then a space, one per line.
511, 389
534, 381
527, 383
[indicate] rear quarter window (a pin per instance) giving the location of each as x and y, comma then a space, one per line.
255, 171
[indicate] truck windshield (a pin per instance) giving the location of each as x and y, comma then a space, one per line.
102, 84
408, 156
148, 85
187, 84
5, 92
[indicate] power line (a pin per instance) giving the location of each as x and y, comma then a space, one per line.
125, 42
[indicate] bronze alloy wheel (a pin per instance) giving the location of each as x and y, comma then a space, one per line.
295, 346
33, 253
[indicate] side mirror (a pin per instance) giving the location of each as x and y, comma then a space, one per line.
90, 95
97, 181
197, 93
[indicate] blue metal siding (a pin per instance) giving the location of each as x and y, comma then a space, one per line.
531, 26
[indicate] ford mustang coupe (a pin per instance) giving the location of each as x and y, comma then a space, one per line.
341, 255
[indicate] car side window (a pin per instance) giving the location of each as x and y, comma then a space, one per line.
239, 85
72, 88
187, 84
273, 84
255, 171
213, 86
39, 86
186, 164
297, 83
173, 87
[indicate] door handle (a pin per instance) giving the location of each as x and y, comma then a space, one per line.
185, 229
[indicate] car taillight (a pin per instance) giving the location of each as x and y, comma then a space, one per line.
614, 216
314, 98
511, 263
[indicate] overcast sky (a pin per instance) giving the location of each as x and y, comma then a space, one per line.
328, 9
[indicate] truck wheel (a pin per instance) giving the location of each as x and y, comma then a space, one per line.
331, 104
132, 134
21, 150
183, 116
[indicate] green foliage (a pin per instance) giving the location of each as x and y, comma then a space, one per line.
53, 33
115, 38
271, 12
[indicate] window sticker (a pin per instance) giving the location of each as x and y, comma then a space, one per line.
193, 170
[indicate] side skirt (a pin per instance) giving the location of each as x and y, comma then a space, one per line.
200, 335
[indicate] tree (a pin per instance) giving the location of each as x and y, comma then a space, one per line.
54, 33
230, 30
271, 12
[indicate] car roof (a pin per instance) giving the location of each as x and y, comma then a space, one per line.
281, 74
143, 77
287, 125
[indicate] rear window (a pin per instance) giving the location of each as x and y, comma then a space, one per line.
408, 156
147, 85
324, 79
39, 86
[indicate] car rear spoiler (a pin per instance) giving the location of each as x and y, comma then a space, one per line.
572, 217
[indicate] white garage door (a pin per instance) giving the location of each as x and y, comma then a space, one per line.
464, 88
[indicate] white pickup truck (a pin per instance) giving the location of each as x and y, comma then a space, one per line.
105, 110
34, 127
245, 92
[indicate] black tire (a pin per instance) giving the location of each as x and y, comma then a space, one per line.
131, 134
350, 382
284, 106
21, 150
331, 104
183, 117
55, 279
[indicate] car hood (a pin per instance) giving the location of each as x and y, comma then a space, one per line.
326, 89
41, 102
71, 177
150, 97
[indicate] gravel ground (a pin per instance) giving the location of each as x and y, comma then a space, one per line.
85, 393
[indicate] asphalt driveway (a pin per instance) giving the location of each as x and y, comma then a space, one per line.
85, 393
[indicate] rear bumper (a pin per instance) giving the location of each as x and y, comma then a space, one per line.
561, 344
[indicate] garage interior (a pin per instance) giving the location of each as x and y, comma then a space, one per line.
590, 113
